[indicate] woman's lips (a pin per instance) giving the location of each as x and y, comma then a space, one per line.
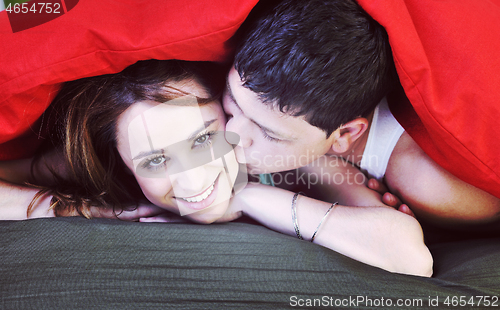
203, 200
200, 197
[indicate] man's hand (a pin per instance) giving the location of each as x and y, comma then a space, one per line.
388, 198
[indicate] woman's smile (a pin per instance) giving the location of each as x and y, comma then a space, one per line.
201, 196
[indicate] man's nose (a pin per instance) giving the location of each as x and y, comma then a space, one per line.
241, 128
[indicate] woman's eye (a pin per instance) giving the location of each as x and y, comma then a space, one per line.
201, 139
204, 139
157, 161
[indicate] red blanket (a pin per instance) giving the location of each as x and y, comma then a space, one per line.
447, 54
95, 37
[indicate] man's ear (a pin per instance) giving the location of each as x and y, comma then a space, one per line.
345, 136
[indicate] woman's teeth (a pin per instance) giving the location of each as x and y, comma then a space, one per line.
200, 197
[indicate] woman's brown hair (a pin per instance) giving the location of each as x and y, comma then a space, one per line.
86, 113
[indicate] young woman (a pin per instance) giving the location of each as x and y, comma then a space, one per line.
156, 132
153, 132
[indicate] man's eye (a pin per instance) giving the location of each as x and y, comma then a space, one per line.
269, 138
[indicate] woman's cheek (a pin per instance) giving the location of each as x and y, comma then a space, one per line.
156, 190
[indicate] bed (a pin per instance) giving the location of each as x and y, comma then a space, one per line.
75, 263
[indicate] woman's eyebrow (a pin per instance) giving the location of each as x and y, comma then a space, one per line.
201, 128
190, 138
148, 153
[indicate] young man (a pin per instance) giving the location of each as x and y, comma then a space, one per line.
310, 79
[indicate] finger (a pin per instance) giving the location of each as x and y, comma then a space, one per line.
162, 219
134, 214
377, 186
391, 200
405, 209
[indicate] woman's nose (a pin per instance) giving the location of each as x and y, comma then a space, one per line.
189, 182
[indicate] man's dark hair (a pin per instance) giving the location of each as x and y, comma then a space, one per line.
325, 59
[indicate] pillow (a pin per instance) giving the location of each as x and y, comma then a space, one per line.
100, 37
74, 263
446, 55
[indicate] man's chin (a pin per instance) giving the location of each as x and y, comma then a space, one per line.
261, 170
254, 170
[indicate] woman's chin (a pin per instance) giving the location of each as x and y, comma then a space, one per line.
204, 220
